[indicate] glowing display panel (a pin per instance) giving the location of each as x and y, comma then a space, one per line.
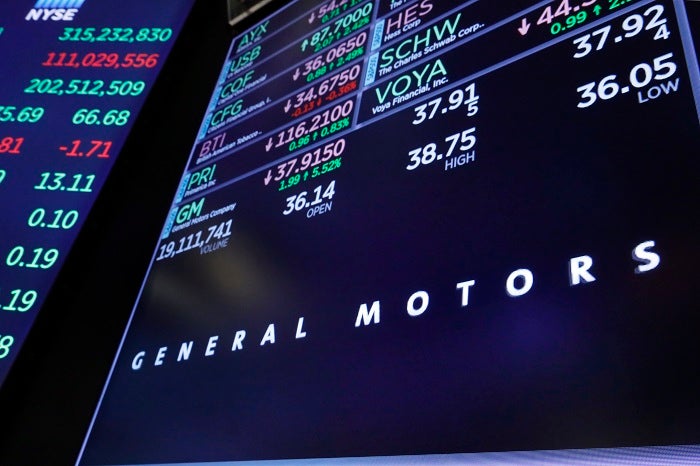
424, 228
74, 75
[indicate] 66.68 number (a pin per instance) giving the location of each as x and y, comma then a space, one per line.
95, 116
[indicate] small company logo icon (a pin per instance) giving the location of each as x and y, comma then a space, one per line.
54, 10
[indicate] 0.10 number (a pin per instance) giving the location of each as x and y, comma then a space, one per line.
60, 220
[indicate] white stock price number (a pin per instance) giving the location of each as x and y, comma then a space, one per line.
640, 76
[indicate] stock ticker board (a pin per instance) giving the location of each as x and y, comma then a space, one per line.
73, 77
418, 227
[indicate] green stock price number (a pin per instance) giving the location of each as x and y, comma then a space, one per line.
6, 342
60, 219
20, 300
38, 258
24, 115
96, 117
3, 175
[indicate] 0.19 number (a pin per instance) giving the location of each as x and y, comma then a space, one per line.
39, 258
20, 300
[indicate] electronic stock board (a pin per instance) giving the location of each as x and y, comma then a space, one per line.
424, 228
73, 77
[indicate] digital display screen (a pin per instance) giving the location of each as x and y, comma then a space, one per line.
74, 76
410, 229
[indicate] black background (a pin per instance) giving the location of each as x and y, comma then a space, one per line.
48, 399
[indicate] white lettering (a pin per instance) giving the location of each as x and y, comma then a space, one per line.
300, 332
365, 315
211, 346
649, 260
160, 356
185, 350
528, 280
578, 270
269, 335
464, 286
138, 360
238, 340
411, 308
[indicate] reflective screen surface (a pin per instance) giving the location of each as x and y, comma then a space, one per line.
410, 229
73, 76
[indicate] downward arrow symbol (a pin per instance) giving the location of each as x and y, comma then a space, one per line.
525, 26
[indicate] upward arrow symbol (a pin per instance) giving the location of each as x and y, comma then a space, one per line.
524, 27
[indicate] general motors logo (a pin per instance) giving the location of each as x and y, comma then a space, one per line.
54, 10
